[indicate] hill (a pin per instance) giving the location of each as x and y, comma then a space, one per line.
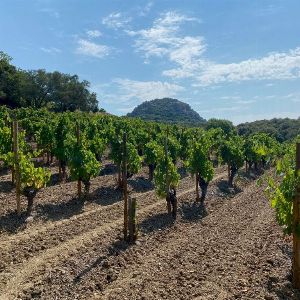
167, 110
282, 129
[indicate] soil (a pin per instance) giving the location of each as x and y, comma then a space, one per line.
229, 247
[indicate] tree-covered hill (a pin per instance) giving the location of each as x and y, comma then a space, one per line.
282, 129
167, 110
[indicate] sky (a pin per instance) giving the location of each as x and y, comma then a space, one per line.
231, 59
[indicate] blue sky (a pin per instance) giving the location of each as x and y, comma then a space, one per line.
232, 59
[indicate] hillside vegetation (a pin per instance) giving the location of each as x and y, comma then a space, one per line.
281, 129
167, 110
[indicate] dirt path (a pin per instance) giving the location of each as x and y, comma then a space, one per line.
27, 253
236, 253
231, 248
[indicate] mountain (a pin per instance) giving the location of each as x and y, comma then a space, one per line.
167, 110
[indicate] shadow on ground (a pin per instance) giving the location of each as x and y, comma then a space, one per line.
140, 184
156, 222
6, 186
226, 189
108, 169
12, 222
193, 211
105, 195
58, 211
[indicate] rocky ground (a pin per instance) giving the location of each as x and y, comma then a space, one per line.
228, 248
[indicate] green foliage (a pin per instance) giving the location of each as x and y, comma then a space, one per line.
165, 175
260, 148
5, 140
152, 152
97, 145
173, 145
64, 138
282, 190
225, 125
232, 151
198, 159
46, 137
281, 129
82, 162
167, 110
30, 176
38, 88
133, 159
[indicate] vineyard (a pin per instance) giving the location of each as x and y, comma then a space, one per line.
95, 206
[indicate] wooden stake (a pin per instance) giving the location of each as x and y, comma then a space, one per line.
12, 149
78, 141
17, 167
228, 170
296, 219
125, 230
132, 220
167, 177
197, 188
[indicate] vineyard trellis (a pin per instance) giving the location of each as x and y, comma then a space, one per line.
76, 142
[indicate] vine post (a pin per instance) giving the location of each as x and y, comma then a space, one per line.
167, 177
124, 180
17, 167
78, 142
197, 187
296, 219
12, 149
132, 220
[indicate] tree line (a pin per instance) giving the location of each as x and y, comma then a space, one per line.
38, 88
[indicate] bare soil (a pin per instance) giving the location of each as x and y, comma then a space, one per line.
230, 247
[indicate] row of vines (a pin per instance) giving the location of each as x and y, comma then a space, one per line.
77, 142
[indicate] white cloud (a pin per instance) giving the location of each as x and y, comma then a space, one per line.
92, 49
164, 39
129, 93
144, 11
273, 66
116, 21
93, 33
50, 50
146, 90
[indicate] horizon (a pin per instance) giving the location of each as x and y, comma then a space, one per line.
237, 60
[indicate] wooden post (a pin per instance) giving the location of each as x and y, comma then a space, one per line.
79, 184
296, 219
17, 167
228, 171
197, 188
12, 149
132, 220
125, 230
167, 177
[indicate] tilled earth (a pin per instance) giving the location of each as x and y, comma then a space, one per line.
228, 248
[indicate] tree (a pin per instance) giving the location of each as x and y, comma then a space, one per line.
39, 88
225, 125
